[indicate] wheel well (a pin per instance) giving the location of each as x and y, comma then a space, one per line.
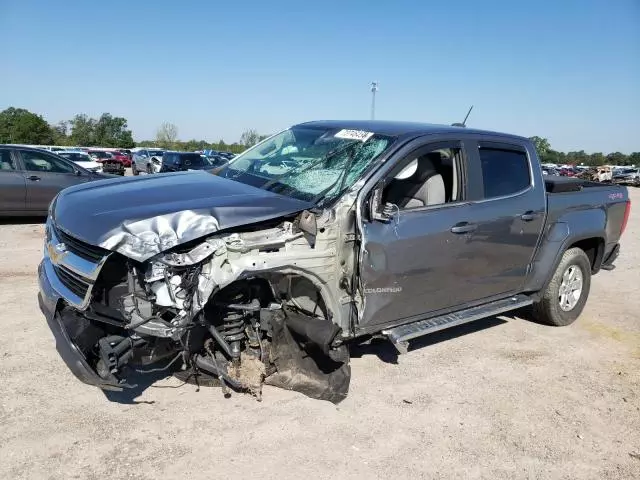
594, 248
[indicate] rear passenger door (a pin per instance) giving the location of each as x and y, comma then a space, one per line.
13, 186
508, 216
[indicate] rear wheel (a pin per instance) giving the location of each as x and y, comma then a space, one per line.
134, 170
567, 292
149, 169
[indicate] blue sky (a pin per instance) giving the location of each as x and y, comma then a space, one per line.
566, 70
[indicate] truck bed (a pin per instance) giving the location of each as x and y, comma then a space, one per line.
557, 184
587, 206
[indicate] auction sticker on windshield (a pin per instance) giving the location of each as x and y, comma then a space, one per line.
354, 135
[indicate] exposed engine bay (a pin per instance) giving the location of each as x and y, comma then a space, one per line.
234, 309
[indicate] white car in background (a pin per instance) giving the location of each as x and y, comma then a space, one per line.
81, 158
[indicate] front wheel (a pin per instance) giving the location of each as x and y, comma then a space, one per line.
134, 170
566, 294
149, 169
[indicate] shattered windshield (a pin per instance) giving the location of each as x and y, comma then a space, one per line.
312, 164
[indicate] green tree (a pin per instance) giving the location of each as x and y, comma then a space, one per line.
634, 158
249, 138
167, 135
542, 145
596, 159
83, 130
577, 158
60, 133
112, 131
18, 125
617, 158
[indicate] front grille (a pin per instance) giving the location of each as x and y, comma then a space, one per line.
72, 281
80, 248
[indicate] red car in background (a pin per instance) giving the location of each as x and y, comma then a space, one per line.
121, 157
567, 172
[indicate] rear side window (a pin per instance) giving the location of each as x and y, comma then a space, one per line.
504, 172
194, 159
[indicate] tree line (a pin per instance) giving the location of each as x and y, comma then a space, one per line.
167, 138
18, 125
548, 155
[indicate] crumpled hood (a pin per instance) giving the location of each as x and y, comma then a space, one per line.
140, 217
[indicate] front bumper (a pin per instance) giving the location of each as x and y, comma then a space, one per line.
51, 303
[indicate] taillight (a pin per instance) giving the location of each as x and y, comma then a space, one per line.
625, 219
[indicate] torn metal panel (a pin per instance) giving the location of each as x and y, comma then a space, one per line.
163, 211
305, 368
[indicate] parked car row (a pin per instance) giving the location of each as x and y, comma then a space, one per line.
602, 173
151, 160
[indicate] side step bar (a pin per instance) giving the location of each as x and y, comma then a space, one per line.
401, 335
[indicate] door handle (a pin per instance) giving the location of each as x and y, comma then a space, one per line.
464, 227
33, 178
528, 216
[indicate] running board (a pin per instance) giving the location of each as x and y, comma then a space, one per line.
401, 335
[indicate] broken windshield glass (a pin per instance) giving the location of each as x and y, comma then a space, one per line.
311, 164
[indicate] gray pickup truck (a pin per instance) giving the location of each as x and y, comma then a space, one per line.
326, 234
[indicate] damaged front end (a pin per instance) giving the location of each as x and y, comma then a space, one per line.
235, 309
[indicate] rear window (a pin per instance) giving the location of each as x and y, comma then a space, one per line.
504, 171
193, 159
155, 153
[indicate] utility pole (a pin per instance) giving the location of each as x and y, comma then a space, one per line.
374, 89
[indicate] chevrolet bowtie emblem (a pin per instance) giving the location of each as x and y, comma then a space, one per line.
56, 252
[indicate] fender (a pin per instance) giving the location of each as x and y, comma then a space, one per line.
568, 229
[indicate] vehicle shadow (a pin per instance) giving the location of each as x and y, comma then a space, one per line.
526, 313
381, 348
386, 352
22, 220
142, 381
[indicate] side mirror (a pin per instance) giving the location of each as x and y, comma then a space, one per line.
377, 210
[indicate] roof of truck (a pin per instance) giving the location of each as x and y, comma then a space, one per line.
397, 128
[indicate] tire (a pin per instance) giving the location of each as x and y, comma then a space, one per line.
149, 169
134, 170
549, 310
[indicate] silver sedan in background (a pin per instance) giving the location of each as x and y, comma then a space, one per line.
30, 178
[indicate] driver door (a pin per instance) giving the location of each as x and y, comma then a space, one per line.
421, 258
45, 176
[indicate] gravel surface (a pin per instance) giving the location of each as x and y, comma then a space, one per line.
500, 398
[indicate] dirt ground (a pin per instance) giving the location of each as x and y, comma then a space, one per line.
502, 398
